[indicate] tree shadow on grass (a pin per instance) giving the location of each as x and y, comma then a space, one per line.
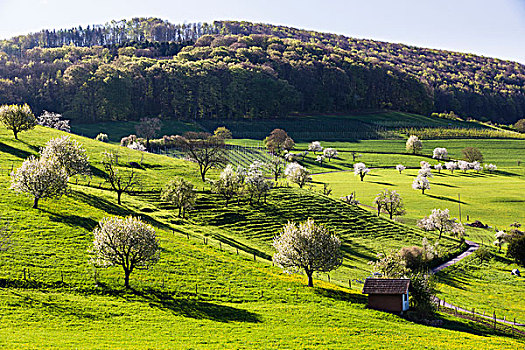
193, 308
341, 295
443, 198
73, 220
15, 151
114, 209
382, 183
235, 244
445, 185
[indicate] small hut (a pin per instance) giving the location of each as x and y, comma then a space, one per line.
387, 294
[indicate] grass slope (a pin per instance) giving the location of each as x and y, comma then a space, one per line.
198, 296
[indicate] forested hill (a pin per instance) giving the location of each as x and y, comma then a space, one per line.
150, 67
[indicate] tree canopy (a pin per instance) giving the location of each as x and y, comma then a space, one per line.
126, 70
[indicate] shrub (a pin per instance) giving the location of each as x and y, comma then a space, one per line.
516, 250
102, 137
472, 154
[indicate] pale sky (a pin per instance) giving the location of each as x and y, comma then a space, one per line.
493, 28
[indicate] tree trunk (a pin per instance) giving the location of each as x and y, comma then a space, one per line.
378, 210
203, 175
126, 278
119, 194
180, 211
391, 215
422, 191
16, 134
310, 280
35, 203
362, 176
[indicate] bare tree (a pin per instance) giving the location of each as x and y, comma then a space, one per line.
126, 242
148, 129
389, 201
120, 182
206, 150
276, 167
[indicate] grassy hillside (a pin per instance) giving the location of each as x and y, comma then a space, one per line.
198, 296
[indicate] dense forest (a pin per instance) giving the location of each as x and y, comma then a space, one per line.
149, 67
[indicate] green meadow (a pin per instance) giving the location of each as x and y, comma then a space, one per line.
214, 286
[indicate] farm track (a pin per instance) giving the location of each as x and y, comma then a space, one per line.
472, 247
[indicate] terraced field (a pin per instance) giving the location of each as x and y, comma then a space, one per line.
362, 233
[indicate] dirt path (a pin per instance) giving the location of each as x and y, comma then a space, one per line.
472, 247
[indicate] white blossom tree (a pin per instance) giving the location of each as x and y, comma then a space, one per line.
17, 118
256, 185
320, 159
414, 144
421, 183
462, 165
69, 153
389, 201
440, 220
180, 193
308, 247
438, 167
126, 242
298, 174
361, 170
425, 172
501, 239
136, 146
491, 167
290, 157
476, 166
40, 178
315, 146
440, 153
52, 120
400, 168
330, 153
424, 164
451, 166
228, 185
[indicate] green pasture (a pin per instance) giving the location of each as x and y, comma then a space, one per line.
487, 287
495, 199
202, 296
